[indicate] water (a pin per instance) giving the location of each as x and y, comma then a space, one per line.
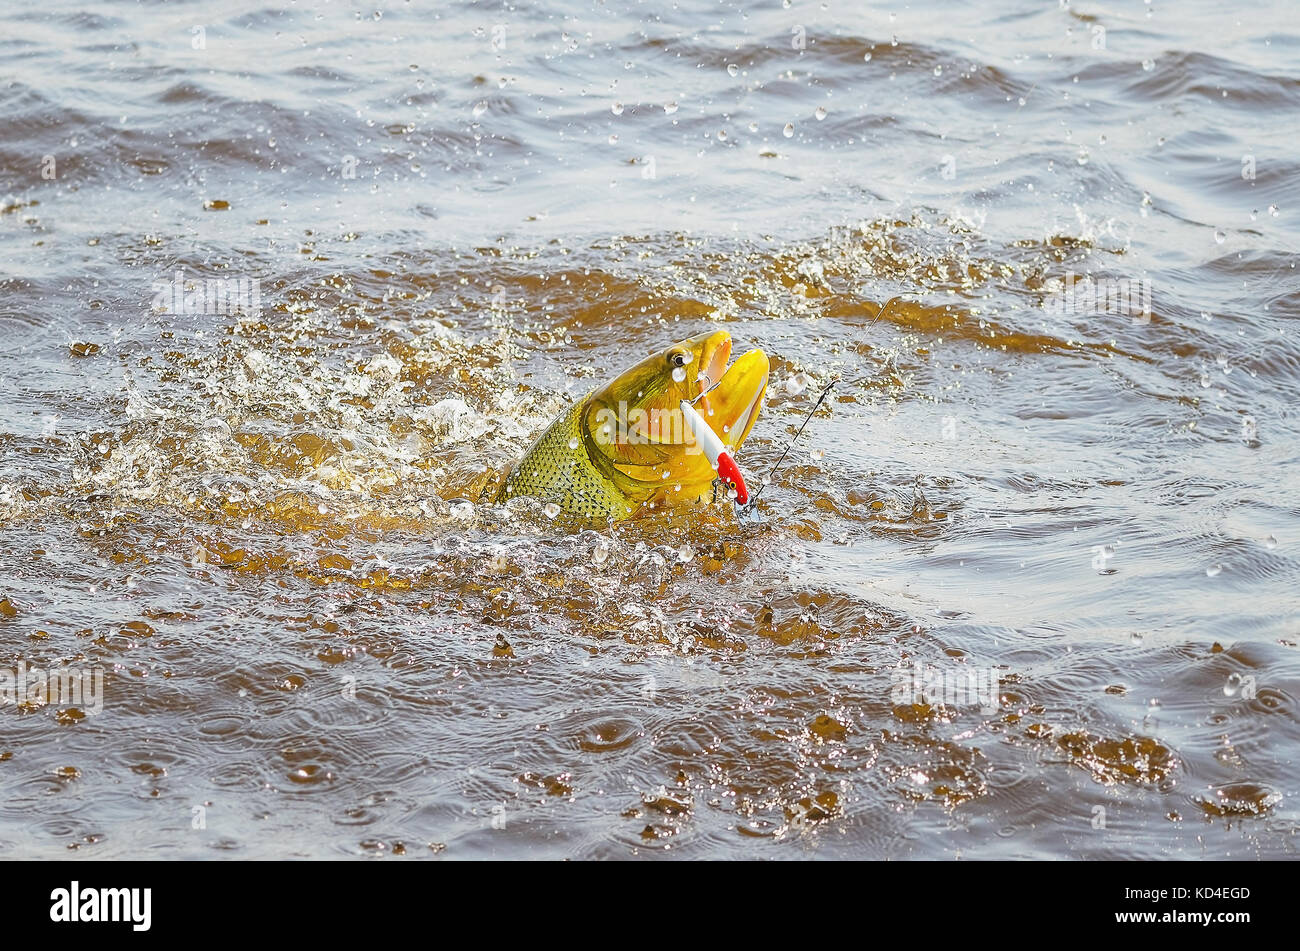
975, 615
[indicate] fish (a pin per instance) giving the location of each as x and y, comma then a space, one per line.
626, 447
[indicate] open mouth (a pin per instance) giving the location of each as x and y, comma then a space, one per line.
729, 398
713, 363
739, 395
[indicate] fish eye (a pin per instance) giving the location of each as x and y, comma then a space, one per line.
679, 358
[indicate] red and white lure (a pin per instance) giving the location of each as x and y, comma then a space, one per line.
721, 460
716, 451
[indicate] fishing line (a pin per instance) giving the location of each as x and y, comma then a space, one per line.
767, 480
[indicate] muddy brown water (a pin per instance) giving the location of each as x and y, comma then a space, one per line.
263, 528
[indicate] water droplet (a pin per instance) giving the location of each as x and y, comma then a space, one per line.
866, 57
796, 384
1273, 210
788, 131
732, 492
820, 113
679, 374
1232, 685
573, 442
600, 554
1082, 157
670, 107
722, 135
685, 554
1135, 639
1249, 429
480, 108
938, 70
616, 108
1220, 237
733, 69
1205, 380
1270, 542
1213, 570
667, 474
1148, 65
816, 455
550, 510
613, 139
1153, 702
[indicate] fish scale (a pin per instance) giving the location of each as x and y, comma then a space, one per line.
553, 472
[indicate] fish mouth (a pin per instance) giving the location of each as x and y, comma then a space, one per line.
731, 405
714, 355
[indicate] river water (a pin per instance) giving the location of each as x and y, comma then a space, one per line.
1025, 587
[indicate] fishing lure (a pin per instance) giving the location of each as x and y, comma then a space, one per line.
721, 460
723, 464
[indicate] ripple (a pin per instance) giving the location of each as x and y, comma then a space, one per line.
609, 735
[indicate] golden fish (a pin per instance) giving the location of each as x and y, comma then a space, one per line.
626, 444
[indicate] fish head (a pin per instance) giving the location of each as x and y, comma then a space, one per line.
634, 429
